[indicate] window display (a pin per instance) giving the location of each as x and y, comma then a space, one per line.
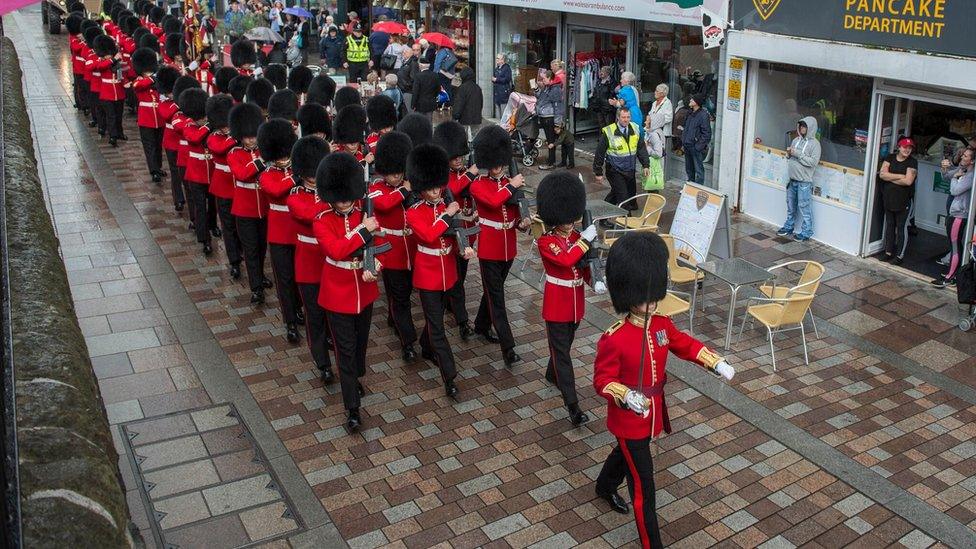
529, 40
673, 55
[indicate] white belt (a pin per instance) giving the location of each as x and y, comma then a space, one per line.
308, 239
183, 142
434, 251
497, 225
563, 282
199, 156
222, 167
169, 126
348, 265
150, 104
110, 81
250, 186
279, 207
397, 232
79, 58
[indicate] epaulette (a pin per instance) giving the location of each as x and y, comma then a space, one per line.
616, 326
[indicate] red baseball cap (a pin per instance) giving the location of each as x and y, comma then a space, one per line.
906, 142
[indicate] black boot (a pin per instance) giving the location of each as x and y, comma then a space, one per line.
326, 375
510, 357
450, 389
576, 416
266, 283
353, 421
207, 249
360, 389
291, 333
300, 317
216, 232
257, 297
488, 334
409, 354
235, 271
466, 331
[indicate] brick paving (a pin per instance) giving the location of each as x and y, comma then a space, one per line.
889, 386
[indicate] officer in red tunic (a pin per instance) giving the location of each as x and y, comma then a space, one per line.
275, 140
499, 222
94, 77
222, 79
171, 51
349, 133
220, 143
244, 56
391, 197
284, 105
249, 207
435, 271
201, 68
382, 116
111, 91
199, 165
165, 79
259, 92
299, 79
304, 206
630, 372
321, 90
348, 290
313, 119
418, 127
561, 200
148, 117
73, 23
453, 138
179, 120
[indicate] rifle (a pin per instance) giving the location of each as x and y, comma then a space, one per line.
591, 259
455, 229
518, 197
370, 252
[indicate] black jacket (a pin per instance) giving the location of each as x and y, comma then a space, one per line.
468, 100
407, 73
425, 89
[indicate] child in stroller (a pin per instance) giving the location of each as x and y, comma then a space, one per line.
525, 135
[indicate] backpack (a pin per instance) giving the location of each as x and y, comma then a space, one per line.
450, 61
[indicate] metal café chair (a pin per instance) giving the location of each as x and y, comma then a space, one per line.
649, 216
679, 275
780, 314
808, 283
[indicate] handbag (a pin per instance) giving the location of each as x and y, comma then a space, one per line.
388, 61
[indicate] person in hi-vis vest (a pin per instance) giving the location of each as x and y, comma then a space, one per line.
357, 54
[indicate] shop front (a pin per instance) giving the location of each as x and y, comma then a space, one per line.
865, 94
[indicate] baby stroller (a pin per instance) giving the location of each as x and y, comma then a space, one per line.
525, 135
966, 289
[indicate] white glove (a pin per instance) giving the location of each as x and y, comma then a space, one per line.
589, 233
638, 403
194, 66
600, 287
725, 370
258, 71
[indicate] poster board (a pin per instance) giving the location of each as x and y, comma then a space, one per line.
702, 219
834, 183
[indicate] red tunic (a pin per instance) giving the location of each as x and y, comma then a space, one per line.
371, 141
498, 221
460, 184
127, 46
169, 111
341, 237
94, 75
562, 299
112, 88
389, 211
248, 200
148, 114
205, 77
304, 206
617, 357
199, 162
435, 267
245, 72
182, 145
75, 44
276, 183
219, 143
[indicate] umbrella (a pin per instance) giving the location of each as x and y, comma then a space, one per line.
390, 27
298, 12
438, 39
263, 34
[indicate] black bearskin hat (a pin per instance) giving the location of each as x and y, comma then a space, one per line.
73, 22
77, 7
193, 103
275, 139
283, 104
418, 127
149, 41
218, 111
90, 34
104, 45
346, 95
156, 14
143, 7
130, 24
313, 118
242, 53
277, 73
222, 78
245, 119
165, 79
299, 79
307, 154
172, 25
321, 90
259, 92
349, 125
561, 198
138, 34
452, 137
391, 153
88, 24
637, 270
144, 60
492, 148
182, 84
427, 167
381, 113
172, 46
238, 87
340, 178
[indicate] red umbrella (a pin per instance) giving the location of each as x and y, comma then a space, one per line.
390, 27
438, 39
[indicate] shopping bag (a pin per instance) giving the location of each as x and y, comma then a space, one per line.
654, 181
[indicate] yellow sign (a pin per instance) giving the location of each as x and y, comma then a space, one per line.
735, 89
765, 7
920, 18
736, 63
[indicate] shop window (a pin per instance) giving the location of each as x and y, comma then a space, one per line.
673, 55
528, 38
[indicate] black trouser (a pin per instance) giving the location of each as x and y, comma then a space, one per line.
568, 150
283, 267
98, 112
130, 100
315, 325
491, 311
560, 367
399, 285
456, 296
435, 338
547, 123
175, 178
632, 459
358, 71
228, 226
204, 211
254, 240
113, 117
604, 118
190, 205
350, 335
622, 187
152, 147
896, 232
80, 92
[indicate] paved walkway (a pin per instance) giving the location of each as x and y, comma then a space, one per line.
228, 438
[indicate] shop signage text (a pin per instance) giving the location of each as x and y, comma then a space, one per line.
682, 12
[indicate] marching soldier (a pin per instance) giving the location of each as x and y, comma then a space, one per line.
243, 56
349, 133
561, 200
435, 271
238, 87
313, 119
275, 140
284, 104
304, 206
277, 74
299, 80
391, 198
259, 92
249, 207
199, 165
73, 23
345, 96
111, 91
171, 52
220, 143
222, 79
453, 138
94, 78
382, 116
321, 90
148, 117
417, 127
496, 243
348, 288
168, 110
630, 372
178, 121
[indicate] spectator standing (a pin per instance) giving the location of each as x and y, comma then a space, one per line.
408, 72
803, 155
662, 105
445, 63
330, 49
621, 148
352, 19
696, 136
275, 17
378, 41
960, 191
550, 109
898, 173
234, 21
558, 68
468, 102
397, 49
501, 83
603, 93
357, 54
629, 98
425, 89
655, 152
393, 92
427, 52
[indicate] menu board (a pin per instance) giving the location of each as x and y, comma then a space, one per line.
701, 213
832, 182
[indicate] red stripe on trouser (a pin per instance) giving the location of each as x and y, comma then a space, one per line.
954, 240
638, 494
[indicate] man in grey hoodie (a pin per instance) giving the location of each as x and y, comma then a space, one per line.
803, 155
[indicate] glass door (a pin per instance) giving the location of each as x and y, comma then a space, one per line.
589, 51
887, 127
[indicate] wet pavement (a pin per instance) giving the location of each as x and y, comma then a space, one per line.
223, 426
